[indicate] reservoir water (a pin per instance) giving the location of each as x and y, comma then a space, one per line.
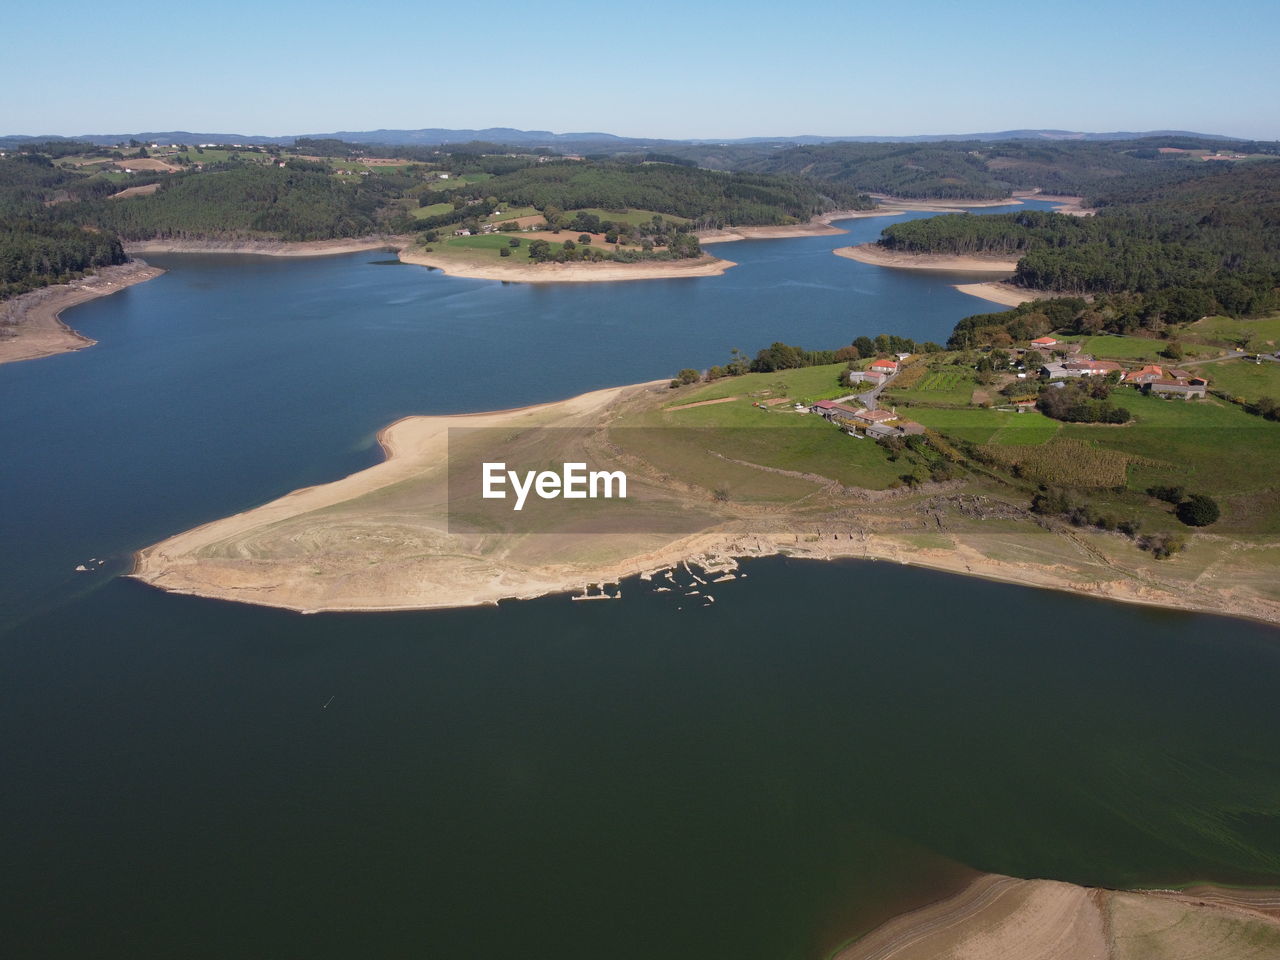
761, 778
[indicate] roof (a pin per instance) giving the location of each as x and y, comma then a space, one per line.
1047, 341
891, 364
1150, 369
1104, 365
823, 405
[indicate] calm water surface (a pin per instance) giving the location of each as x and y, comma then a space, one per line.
761, 778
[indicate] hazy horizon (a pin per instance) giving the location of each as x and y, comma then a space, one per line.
542, 128
712, 71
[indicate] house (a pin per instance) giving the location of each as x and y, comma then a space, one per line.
1044, 343
1092, 368
1168, 387
462, 233
1143, 375
824, 408
871, 376
902, 356
884, 366
1080, 368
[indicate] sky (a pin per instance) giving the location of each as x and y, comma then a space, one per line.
705, 69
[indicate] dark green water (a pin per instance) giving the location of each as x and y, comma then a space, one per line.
762, 778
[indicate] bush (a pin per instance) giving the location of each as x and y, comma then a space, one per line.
1198, 510
504, 251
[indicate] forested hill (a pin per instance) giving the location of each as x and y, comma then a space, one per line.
977, 170
709, 198
301, 202
36, 250
1153, 256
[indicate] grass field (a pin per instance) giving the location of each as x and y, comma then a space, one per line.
1206, 446
807, 383
693, 444
1244, 378
1263, 333
434, 210
487, 245
1109, 347
978, 425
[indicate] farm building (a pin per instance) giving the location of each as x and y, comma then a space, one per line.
1167, 387
884, 366
1044, 343
1148, 374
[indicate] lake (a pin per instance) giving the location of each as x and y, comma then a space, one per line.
761, 778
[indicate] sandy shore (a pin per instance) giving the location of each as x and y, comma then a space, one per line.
880, 256
1001, 918
268, 248
905, 205
820, 226
31, 324
704, 266
1004, 293
1061, 203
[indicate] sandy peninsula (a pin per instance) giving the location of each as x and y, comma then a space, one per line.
381, 539
875, 254
1001, 918
1004, 293
606, 271
31, 324
820, 226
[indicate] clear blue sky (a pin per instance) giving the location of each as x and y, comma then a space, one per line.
699, 68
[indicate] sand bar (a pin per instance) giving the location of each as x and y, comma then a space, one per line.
605, 271
1005, 294
820, 226
31, 324
875, 254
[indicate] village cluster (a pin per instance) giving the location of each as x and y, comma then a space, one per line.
1055, 361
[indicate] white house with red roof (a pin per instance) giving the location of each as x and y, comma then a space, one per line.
884, 366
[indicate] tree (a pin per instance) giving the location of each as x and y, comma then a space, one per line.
584, 238
1198, 510
504, 251
687, 376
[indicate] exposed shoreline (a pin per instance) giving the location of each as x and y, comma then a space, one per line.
819, 226
274, 555
454, 266
1004, 293
31, 324
605, 272
879, 256
997, 917
268, 248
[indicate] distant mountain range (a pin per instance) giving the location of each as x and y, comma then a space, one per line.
436, 136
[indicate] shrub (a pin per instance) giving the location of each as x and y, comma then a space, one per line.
1198, 510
